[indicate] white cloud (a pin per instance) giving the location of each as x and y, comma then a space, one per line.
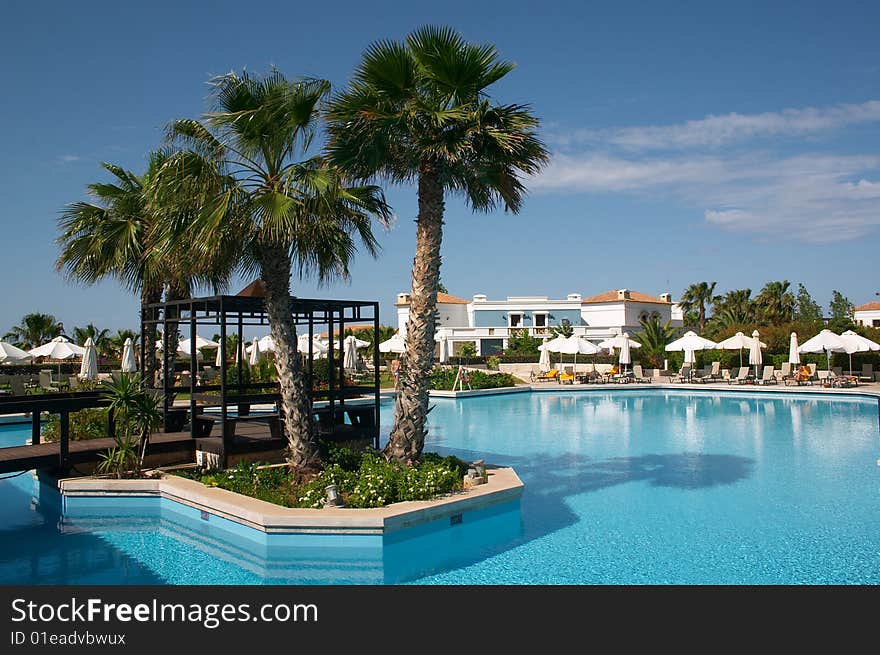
67, 159
813, 196
715, 131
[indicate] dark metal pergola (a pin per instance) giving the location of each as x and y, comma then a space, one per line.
229, 315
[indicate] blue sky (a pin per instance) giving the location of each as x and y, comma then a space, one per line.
734, 142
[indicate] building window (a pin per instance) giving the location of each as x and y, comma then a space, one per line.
540, 320
515, 320
875, 322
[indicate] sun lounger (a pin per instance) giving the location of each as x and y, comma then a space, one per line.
842, 381
786, 372
638, 375
767, 376
867, 373
742, 377
549, 376
712, 375
683, 375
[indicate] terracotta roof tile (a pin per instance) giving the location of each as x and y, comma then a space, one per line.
868, 306
634, 296
444, 298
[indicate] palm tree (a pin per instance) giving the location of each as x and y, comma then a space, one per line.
35, 330
735, 308
775, 303
420, 111
99, 337
654, 337
696, 298
285, 209
122, 237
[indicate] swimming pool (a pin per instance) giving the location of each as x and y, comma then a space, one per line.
646, 486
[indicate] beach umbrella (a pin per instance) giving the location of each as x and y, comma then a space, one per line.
88, 370
184, 345
544, 359
350, 347
11, 354
573, 345
794, 356
625, 343
690, 342
863, 345
737, 342
828, 342
444, 349
755, 355
218, 359
58, 348
129, 363
395, 344
254, 353
624, 359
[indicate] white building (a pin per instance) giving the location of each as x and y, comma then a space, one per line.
867, 314
488, 323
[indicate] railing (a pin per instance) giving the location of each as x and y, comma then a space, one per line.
56, 403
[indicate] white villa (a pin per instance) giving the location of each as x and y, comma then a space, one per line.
867, 314
488, 323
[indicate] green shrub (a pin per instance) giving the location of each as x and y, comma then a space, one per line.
84, 424
444, 379
492, 362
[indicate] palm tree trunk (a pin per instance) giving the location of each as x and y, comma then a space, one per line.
296, 412
150, 296
411, 410
172, 326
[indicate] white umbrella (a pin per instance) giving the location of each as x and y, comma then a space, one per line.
395, 344
58, 348
794, 356
255, 354
573, 345
617, 342
201, 342
624, 357
10, 353
129, 363
319, 348
544, 359
737, 342
444, 349
218, 359
756, 358
828, 342
863, 345
690, 342
350, 356
88, 370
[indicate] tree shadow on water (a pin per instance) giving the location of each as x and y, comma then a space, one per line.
549, 480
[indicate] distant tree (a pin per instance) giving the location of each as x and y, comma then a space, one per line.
654, 336
736, 307
467, 351
775, 303
98, 337
564, 329
441, 288
841, 312
519, 341
806, 308
116, 343
696, 299
35, 330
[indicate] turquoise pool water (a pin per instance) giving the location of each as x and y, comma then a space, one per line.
628, 487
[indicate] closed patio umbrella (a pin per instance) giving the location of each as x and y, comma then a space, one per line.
755, 356
254, 354
129, 363
350, 346
544, 359
794, 356
88, 370
444, 349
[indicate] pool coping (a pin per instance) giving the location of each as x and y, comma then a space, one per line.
503, 485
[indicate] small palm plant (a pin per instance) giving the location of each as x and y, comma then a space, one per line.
136, 413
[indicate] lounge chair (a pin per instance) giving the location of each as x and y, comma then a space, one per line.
742, 377
638, 375
16, 383
823, 378
567, 377
46, 381
842, 381
712, 375
767, 376
549, 376
589, 375
867, 373
785, 373
683, 375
